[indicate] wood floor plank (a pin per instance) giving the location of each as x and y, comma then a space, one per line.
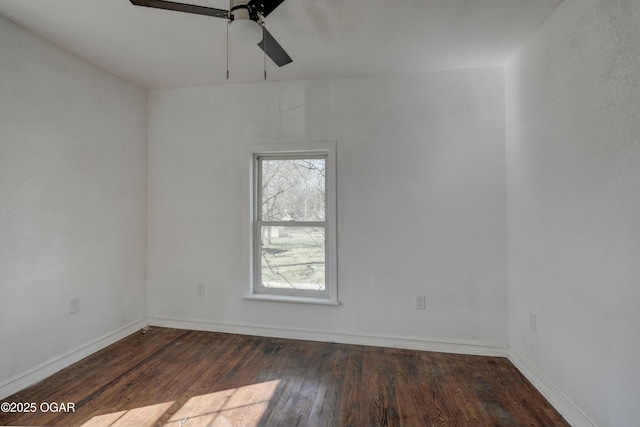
329, 395
178, 378
302, 382
410, 390
387, 403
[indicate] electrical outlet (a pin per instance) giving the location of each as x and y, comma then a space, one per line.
200, 290
533, 322
420, 302
74, 305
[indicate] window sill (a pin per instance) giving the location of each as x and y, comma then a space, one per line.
294, 299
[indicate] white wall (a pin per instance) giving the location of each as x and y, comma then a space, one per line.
421, 201
573, 148
72, 202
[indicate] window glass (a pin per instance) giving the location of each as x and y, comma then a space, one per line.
293, 258
293, 189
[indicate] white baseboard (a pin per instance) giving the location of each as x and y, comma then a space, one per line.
558, 400
457, 347
50, 367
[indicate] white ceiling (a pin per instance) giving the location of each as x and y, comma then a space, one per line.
326, 38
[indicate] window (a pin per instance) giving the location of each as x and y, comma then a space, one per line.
293, 236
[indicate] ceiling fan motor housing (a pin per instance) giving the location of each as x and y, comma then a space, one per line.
240, 9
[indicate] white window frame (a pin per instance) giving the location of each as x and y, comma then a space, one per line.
307, 150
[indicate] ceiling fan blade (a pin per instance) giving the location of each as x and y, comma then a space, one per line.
265, 7
182, 7
273, 49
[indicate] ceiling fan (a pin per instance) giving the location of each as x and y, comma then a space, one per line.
245, 22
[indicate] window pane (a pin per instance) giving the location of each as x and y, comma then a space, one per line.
293, 258
293, 189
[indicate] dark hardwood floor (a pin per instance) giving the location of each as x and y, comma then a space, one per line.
179, 378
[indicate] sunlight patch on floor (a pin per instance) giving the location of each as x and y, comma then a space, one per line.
242, 406
145, 416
